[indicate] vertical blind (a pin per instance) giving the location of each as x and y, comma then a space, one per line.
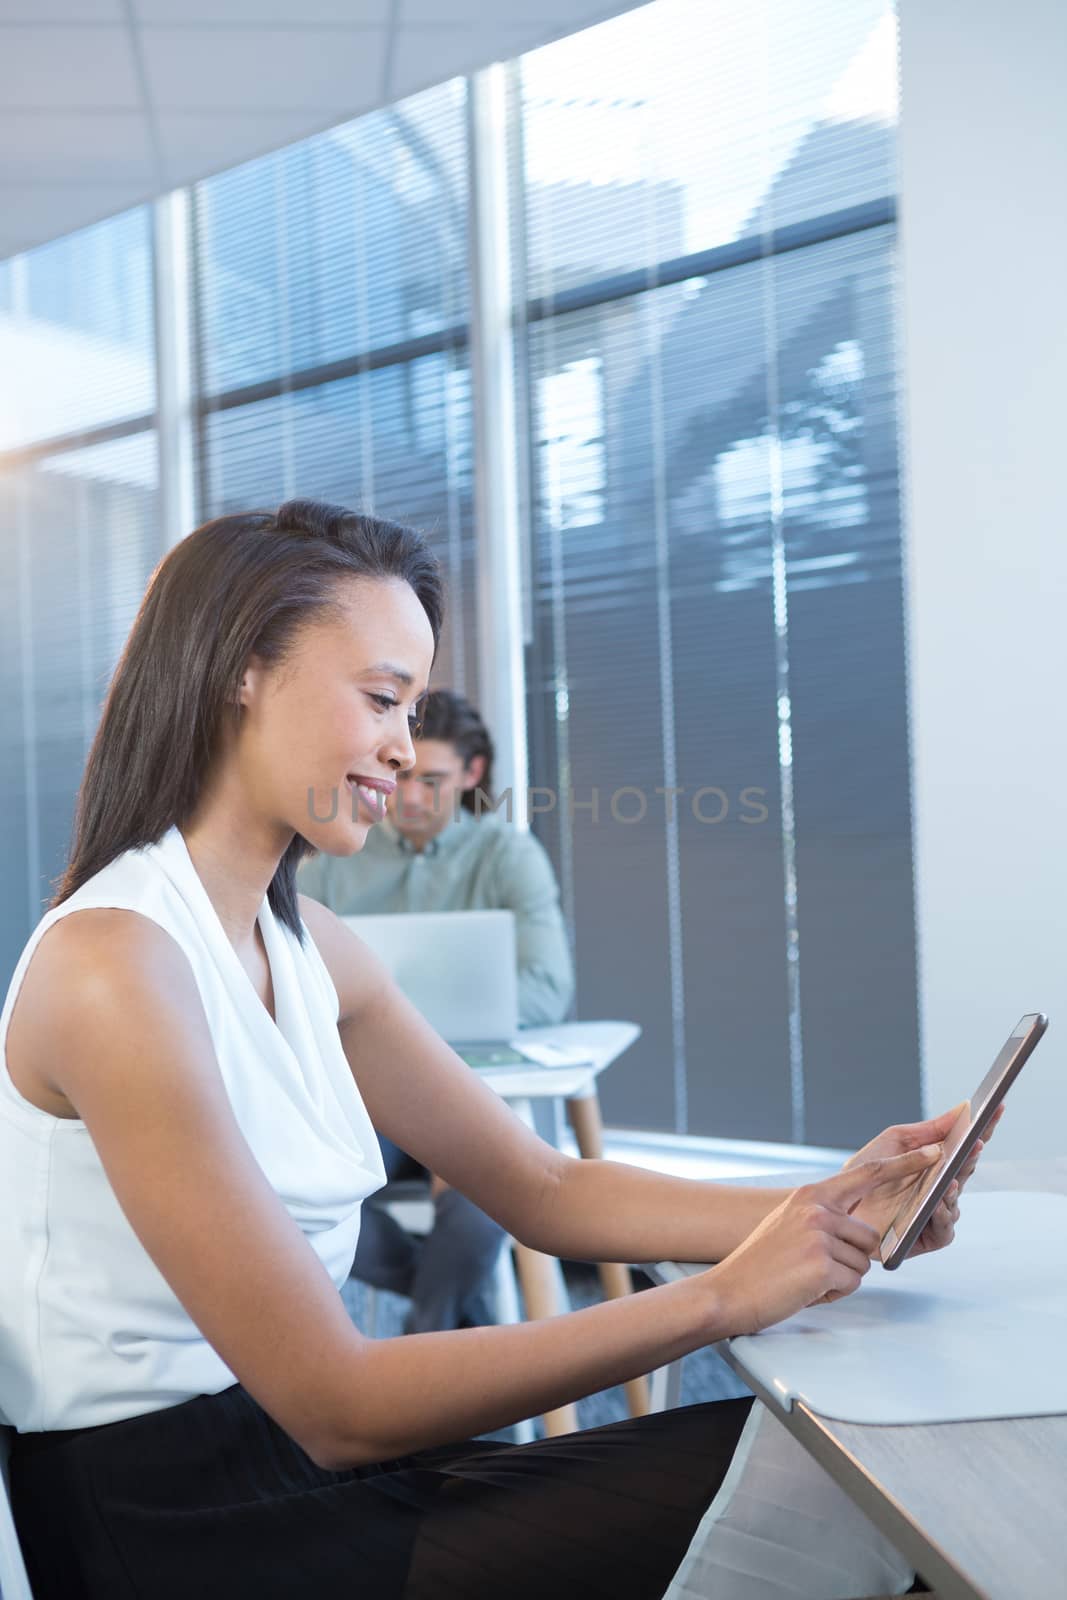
78, 529
705, 202
704, 209
332, 288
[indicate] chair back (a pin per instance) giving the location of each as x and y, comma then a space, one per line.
14, 1584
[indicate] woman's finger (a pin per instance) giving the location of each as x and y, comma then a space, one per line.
846, 1189
846, 1255
941, 1228
854, 1231
910, 1135
967, 1170
842, 1280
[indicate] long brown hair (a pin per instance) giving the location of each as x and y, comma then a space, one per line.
238, 586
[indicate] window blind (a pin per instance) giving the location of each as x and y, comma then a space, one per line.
705, 196
332, 290
78, 529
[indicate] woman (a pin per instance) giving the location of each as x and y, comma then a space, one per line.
439, 849
192, 1064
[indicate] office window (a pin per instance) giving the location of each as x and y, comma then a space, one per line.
78, 529
705, 232
332, 289
704, 255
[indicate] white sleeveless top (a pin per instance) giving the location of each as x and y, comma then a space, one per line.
89, 1330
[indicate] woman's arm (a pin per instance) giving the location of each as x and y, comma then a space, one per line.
111, 1006
606, 1211
110, 1017
431, 1104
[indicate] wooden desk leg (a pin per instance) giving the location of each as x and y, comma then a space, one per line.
584, 1117
538, 1277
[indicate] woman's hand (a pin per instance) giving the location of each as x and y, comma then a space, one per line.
811, 1248
941, 1228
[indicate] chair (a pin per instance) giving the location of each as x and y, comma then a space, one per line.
14, 1584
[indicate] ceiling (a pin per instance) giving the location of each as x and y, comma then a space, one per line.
108, 103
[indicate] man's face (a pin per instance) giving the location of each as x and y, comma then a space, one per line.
428, 794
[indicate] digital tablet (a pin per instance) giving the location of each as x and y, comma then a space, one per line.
974, 1118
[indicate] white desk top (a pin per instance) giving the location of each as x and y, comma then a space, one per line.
960, 1335
603, 1042
977, 1505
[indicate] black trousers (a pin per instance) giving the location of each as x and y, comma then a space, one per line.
211, 1500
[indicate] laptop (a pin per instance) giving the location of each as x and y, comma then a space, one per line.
460, 969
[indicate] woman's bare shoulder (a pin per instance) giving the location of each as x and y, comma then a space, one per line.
103, 950
95, 972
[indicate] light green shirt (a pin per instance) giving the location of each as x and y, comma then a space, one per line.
474, 864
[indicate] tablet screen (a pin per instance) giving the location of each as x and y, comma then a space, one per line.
956, 1135
963, 1134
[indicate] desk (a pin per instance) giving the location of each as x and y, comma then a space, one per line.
603, 1042
978, 1507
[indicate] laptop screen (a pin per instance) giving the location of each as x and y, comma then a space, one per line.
458, 968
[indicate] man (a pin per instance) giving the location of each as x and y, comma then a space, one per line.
440, 849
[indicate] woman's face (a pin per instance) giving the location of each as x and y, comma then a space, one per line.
325, 731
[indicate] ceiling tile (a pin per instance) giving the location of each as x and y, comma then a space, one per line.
265, 13
237, 69
38, 213
423, 56
69, 67
198, 143
67, 147
42, 11
230, 79
494, 13
546, 18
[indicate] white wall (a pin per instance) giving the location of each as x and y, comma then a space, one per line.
984, 242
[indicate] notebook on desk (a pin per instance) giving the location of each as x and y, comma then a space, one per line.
459, 968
